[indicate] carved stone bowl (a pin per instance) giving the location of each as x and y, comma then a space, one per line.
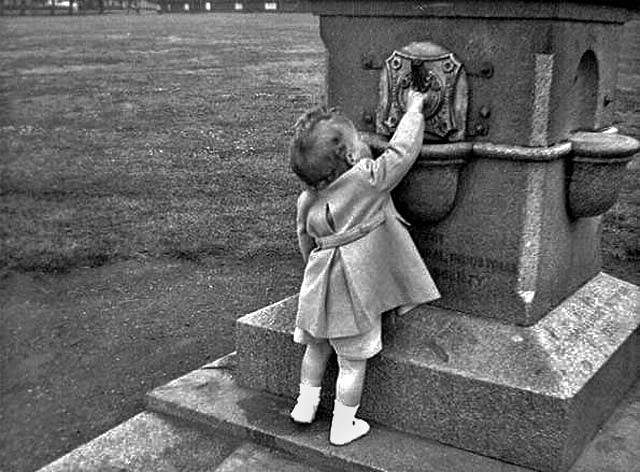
596, 169
427, 193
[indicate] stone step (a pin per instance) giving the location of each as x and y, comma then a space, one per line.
149, 442
210, 396
250, 457
534, 396
212, 424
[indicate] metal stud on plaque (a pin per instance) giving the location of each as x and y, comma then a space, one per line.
432, 70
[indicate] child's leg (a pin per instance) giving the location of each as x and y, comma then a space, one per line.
345, 427
314, 363
312, 370
350, 381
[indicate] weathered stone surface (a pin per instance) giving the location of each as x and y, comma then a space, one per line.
511, 247
509, 38
251, 457
267, 357
617, 445
148, 442
515, 93
508, 249
532, 396
211, 397
596, 171
598, 10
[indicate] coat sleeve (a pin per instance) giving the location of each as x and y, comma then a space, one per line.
305, 241
388, 170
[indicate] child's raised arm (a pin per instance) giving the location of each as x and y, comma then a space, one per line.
389, 169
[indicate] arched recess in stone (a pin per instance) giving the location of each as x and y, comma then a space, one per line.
584, 94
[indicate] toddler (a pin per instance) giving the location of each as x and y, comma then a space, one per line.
360, 259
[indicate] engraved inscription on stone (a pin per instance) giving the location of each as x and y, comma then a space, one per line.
581, 334
471, 270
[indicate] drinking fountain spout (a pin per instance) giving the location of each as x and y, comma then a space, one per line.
427, 194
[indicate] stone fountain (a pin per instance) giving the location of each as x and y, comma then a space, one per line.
531, 347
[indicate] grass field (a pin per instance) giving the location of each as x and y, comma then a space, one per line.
159, 135
146, 203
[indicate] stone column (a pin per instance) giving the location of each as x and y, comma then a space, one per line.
537, 72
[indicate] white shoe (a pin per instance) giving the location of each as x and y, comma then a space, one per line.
345, 427
307, 405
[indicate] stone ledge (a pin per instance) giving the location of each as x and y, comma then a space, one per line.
251, 457
211, 397
148, 442
529, 395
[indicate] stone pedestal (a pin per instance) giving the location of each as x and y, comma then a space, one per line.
533, 396
536, 72
530, 347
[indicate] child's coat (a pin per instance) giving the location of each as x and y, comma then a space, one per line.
361, 260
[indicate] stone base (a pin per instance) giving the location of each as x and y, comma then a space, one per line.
210, 398
531, 396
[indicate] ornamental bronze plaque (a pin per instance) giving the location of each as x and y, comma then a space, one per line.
432, 70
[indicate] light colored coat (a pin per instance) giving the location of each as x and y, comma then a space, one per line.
354, 278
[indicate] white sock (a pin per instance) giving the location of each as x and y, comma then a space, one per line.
345, 427
307, 404
310, 391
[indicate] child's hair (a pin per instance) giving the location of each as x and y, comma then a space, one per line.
317, 157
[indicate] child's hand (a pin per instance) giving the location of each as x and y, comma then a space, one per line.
415, 101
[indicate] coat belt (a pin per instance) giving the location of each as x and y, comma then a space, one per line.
350, 235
